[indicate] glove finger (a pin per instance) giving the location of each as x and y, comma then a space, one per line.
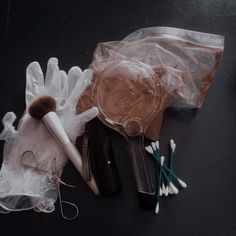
51, 67
88, 115
9, 118
64, 87
34, 81
80, 86
73, 76
75, 126
9, 130
53, 83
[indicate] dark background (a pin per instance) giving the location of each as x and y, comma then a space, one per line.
206, 151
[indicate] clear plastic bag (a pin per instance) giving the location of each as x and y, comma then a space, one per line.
193, 57
184, 63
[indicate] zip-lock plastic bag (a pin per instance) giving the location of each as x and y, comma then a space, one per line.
181, 62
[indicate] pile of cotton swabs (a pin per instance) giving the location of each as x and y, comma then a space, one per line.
165, 176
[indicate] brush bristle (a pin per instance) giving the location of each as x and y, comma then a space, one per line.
41, 106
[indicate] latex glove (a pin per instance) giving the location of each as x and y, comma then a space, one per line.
23, 187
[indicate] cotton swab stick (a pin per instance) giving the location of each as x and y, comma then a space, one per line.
172, 150
163, 186
155, 148
172, 147
153, 144
166, 190
159, 183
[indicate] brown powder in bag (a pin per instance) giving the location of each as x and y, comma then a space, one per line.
175, 92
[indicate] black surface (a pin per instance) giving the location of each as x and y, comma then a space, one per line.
205, 154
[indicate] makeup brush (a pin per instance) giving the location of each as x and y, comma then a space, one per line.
44, 109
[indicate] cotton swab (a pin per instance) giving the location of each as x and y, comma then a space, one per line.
153, 144
149, 149
163, 187
160, 192
172, 147
182, 183
172, 150
159, 183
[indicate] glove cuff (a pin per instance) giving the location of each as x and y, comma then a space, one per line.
23, 189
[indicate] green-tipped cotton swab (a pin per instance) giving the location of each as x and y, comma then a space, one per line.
159, 185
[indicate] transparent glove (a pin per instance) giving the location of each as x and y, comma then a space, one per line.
32, 160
